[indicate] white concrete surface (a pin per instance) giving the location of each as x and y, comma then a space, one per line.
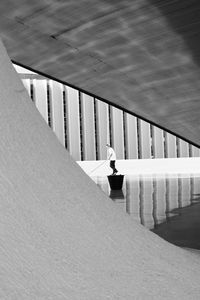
144, 166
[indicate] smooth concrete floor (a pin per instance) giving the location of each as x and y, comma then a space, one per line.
168, 205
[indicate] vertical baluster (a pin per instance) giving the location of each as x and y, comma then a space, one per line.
158, 142
131, 136
102, 128
183, 148
170, 144
88, 123
195, 152
117, 132
73, 122
56, 96
40, 97
144, 139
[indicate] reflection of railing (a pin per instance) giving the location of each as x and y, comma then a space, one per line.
153, 200
84, 125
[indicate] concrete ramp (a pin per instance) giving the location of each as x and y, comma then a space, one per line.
60, 236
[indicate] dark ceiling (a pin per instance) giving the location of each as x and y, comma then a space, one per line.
141, 55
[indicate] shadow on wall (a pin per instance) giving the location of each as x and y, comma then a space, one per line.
184, 18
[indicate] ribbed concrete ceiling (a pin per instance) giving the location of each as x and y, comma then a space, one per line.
141, 55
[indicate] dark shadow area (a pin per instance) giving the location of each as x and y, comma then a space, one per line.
182, 229
184, 18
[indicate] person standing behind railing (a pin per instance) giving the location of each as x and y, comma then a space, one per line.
111, 156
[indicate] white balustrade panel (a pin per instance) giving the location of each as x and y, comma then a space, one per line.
124, 130
158, 142
195, 151
117, 132
88, 124
56, 96
145, 139
183, 148
131, 136
40, 97
102, 128
73, 123
171, 146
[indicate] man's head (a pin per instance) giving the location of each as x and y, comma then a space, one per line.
107, 145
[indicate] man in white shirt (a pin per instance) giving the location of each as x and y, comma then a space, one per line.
112, 157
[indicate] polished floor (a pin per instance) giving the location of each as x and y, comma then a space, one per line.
169, 205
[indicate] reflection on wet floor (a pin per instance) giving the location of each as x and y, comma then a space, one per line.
159, 202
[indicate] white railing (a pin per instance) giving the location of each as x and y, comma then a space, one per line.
84, 124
